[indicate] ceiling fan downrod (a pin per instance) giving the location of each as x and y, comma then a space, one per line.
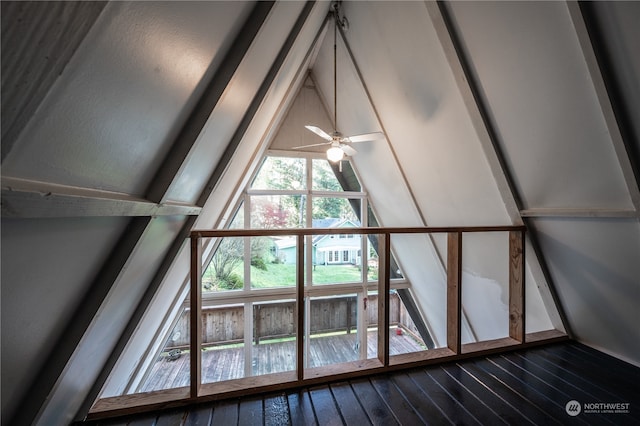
344, 24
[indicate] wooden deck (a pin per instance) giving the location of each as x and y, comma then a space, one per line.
531, 386
225, 364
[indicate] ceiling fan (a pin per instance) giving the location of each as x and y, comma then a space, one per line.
339, 144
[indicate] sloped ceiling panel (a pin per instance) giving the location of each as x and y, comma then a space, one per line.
47, 268
107, 129
419, 104
619, 35
229, 112
57, 28
541, 95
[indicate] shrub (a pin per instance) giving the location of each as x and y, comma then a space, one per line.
232, 282
259, 263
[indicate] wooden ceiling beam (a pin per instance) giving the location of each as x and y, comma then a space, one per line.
30, 200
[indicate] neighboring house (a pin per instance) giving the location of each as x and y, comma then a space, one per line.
339, 249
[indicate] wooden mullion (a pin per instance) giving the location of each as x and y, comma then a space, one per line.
517, 286
384, 256
454, 291
196, 317
300, 303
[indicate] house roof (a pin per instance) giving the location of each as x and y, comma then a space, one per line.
284, 243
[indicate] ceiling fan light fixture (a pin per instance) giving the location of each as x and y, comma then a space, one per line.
340, 145
335, 154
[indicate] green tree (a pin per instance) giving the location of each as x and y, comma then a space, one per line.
219, 274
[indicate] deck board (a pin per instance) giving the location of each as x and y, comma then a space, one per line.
530, 386
226, 364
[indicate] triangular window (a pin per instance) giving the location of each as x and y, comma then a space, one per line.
249, 307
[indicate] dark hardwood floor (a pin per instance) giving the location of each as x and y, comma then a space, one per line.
532, 386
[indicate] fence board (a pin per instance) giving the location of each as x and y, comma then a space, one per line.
221, 325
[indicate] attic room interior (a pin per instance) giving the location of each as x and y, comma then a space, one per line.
180, 246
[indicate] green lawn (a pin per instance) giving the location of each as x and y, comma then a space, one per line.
279, 275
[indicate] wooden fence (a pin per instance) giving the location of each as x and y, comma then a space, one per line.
271, 320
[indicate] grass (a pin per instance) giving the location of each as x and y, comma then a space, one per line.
280, 275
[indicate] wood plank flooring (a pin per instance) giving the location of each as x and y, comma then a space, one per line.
530, 386
226, 364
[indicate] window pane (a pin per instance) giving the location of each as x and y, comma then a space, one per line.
404, 336
273, 262
281, 173
222, 343
336, 260
333, 330
327, 212
274, 337
171, 368
225, 270
324, 178
277, 211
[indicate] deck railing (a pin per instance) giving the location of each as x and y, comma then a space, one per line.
197, 391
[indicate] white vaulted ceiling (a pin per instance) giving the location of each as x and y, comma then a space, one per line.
127, 124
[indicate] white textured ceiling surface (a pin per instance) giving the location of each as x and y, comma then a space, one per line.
540, 94
47, 267
111, 117
422, 111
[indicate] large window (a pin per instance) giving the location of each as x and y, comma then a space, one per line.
249, 283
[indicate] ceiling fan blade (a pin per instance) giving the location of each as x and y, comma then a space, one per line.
365, 137
313, 144
349, 150
318, 131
